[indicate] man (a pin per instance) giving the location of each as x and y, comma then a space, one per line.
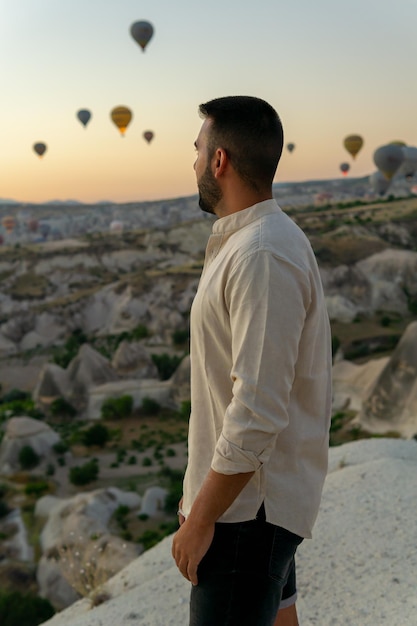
260, 379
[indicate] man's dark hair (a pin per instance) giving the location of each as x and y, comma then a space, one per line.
250, 131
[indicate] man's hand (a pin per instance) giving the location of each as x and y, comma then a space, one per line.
190, 544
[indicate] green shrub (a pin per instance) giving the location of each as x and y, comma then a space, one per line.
28, 458
84, 474
185, 409
166, 364
150, 538
4, 509
143, 517
50, 469
60, 447
121, 455
20, 407
140, 332
132, 460
15, 394
386, 320
97, 435
121, 514
174, 488
150, 406
65, 354
180, 337
335, 344
117, 408
62, 408
171, 452
17, 609
146, 461
36, 488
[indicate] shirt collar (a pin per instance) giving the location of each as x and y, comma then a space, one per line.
235, 221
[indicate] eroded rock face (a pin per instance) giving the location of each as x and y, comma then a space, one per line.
76, 534
392, 403
181, 383
21, 432
132, 360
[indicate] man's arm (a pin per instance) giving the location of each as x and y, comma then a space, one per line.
195, 535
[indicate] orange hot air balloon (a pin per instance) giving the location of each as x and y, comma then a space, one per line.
148, 135
344, 168
142, 33
353, 143
39, 148
121, 117
8, 222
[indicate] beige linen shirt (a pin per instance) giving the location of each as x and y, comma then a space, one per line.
261, 369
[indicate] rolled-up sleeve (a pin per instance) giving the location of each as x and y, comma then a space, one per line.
267, 298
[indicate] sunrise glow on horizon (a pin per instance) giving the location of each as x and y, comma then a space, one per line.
330, 69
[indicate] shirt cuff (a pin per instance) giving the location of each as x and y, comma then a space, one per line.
230, 459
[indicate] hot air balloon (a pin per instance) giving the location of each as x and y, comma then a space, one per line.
8, 222
344, 168
379, 183
353, 143
148, 135
142, 33
397, 142
290, 147
388, 159
84, 116
409, 165
39, 148
121, 116
116, 226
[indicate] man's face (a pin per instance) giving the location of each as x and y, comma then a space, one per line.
210, 193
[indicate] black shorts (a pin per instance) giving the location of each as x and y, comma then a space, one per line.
246, 574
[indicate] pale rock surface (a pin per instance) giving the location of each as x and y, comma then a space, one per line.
392, 403
21, 373
358, 570
88, 369
53, 383
83, 514
153, 501
353, 382
21, 432
7, 346
80, 524
180, 382
132, 360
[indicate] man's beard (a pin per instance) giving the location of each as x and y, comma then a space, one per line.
209, 192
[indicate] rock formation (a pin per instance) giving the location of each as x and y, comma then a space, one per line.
21, 432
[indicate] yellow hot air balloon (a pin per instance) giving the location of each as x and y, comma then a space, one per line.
353, 143
398, 142
121, 117
142, 33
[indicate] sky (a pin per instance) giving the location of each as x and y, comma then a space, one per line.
330, 68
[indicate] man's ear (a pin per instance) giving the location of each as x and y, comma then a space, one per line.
220, 162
